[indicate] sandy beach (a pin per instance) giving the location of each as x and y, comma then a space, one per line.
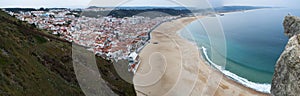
172, 66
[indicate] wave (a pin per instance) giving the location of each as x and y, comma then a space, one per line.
256, 86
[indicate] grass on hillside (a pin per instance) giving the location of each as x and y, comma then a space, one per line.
38, 64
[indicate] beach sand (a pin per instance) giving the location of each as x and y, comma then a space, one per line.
172, 66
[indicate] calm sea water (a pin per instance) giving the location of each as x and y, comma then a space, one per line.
255, 40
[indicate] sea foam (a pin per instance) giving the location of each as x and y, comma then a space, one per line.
256, 86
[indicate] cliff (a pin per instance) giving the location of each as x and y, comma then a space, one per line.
286, 80
291, 25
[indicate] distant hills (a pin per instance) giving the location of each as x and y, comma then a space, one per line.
181, 8
158, 11
94, 11
237, 8
139, 8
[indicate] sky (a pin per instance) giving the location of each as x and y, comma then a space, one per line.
165, 3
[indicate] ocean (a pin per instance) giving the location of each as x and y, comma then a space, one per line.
254, 41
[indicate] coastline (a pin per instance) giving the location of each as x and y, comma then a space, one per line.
260, 87
171, 81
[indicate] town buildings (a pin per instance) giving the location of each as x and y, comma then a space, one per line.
109, 37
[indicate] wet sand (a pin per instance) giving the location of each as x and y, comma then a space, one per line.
172, 66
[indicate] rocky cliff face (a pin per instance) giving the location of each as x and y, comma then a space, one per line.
286, 80
291, 25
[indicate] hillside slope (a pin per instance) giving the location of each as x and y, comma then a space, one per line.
31, 64
35, 63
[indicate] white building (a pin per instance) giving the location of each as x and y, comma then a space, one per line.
134, 62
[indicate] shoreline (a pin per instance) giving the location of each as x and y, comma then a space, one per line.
230, 75
224, 76
227, 85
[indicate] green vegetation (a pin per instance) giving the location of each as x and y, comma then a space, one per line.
35, 63
118, 85
32, 65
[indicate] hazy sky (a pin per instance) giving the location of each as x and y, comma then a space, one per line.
85, 3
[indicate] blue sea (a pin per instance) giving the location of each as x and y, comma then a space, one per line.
254, 41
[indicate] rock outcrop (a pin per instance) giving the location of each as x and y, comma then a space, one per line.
286, 80
291, 25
